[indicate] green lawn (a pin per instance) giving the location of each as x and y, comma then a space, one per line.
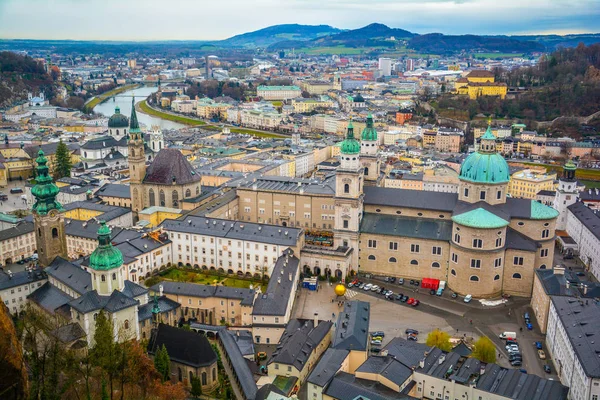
202, 278
590, 184
104, 96
497, 55
170, 117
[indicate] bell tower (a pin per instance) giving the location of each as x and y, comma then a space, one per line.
137, 161
349, 195
369, 144
566, 194
48, 217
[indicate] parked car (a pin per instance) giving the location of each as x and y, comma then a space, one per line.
399, 296
547, 369
516, 363
368, 286
374, 288
417, 283
16, 190
401, 281
526, 318
3, 197
515, 356
405, 299
377, 338
440, 291
375, 349
361, 286
512, 341
415, 303
412, 281
392, 279
454, 295
350, 284
378, 333
387, 279
580, 273
529, 326
412, 337
523, 370
541, 354
376, 342
411, 331
468, 298
432, 292
410, 301
538, 345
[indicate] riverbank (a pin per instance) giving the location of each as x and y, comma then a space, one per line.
89, 106
145, 108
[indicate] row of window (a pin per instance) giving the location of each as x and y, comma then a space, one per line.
475, 278
483, 194
477, 243
414, 248
412, 262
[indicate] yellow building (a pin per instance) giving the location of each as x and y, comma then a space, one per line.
82, 214
308, 105
480, 83
155, 215
528, 183
429, 138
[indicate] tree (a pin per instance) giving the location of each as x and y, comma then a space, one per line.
13, 378
106, 353
162, 363
439, 339
62, 163
484, 350
196, 387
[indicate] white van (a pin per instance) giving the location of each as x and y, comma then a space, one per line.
442, 285
506, 335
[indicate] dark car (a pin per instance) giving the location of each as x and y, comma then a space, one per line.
382, 290
547, 369
399, 296
412, 282
405, 299
412, 337
580, 274
516, 363
417, 283
538, 345
378, 333
432, 292
454, 295
510, 341
3, 197
375, 349
392, 279
411, 332
16, 190
515, 356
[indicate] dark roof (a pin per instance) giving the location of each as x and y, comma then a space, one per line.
48, 148
92, 301
49, 297
555, 283
240, 368
20, 278
103, 142
298, 341
517, 241
345, 386
69, 333
70, 275
585, 215
407, 352
170, 166
388, 367
16, 231
184, 347
329, 365
195, 290
352, 329
394, 225
462, 349
133, 290
410, 198
164, 303
275, 300
114, 190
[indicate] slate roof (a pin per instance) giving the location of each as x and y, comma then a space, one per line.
407, 352
21, 278
345, 386
195, 290
388, 367
92, 301
184, 347
275, 300
133, 290
352, 328
49, 297
115, 190
293, 185
108, 212
462, 349
298, 341
69, 333
394, 225
164, 303
238, 363
170, 166
555, 284
588, 218
329, 365
410, 198
70, 275
517, 241
103, 142
21, 229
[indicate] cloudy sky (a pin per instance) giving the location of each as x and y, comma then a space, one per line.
210, 19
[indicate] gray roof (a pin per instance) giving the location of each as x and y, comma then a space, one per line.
115, 190
388, 367
292, 185
164, 303
108, 212
345, 386
407, 352
195, 290
69, 333
92, 301
49, 297
410, 198
184, 346
298, 341
517, 241
395, 225
587, 217
352, 328
329, 365
133, 290
70, 275
16, 231
245, 341
240, 367
581, 321
275, 299
272, 234
555, 284
20, 278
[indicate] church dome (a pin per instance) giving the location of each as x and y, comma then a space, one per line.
369, 133
350, 145
118, 120
359, 99
481, 167
106, 256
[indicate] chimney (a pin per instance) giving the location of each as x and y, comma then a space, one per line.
290, 276
559, 270
316, 320
568, 284
441, 359
422, 363
160, 290
585, 289
481, 369
279, 280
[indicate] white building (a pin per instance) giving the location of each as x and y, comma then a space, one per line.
385, 66
15, 287
278, 92
583, 225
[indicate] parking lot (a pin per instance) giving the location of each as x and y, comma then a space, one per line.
15, 201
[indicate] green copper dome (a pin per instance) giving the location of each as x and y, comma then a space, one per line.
105, 257
118, 120
350, 145
480, 218
45, 190
570, 165
369, 133
482, 167
488, 135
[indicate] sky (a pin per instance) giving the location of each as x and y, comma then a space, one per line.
213, 20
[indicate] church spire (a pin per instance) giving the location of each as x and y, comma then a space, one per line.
134, 126
155, 311
45, 190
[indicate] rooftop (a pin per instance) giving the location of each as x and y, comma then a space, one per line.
185, 347
352, 328
276, 298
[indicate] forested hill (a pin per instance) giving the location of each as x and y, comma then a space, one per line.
19, 75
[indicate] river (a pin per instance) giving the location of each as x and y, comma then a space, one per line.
123, 100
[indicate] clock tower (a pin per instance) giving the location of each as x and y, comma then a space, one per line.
48, 217
137, 162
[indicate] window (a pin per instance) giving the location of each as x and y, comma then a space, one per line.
454, 258
393, 245
466, 192
498, 242
436, 250
499, 194
55, 232
482, 195
414, 248
435, 265
371, 257
544, 253
477, 243
543, 266
392, 259
414, 262
545, 233
346, 188
474, 278
497, 262
114, 277
151, 198
289, 368
517, 276
453, 272
518, 260
161, 198
204, 380
126, 324
497, 277
345, 224
372, 244
457, 238
475, 263
103, 277
175, 198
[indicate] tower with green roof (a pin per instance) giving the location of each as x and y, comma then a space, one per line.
349, 196
118, 124
48, 215
137, 160
369, 144
106, 264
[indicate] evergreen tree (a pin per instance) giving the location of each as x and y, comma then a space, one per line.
196, 387
62, 163
162, 363
106, 352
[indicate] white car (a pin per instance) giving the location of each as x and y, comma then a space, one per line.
368, 286
468, 298
374, 288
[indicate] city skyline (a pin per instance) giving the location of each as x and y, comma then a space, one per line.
140, 21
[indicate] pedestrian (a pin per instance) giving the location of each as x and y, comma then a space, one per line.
471, 321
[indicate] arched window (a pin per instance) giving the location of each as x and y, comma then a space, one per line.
132, 152
95, 316
191, 373
346, 188
151, 198
214, 374
40, 232
453, 272
180, 374
474, 278
175, 198
154, 148
188, 193
54, 232
85, 154
117, 132
371, 257
414, 262
435, 265
366, 170
103, 278
543, 266
135, 194
545, 233
204, 379
497, 277
114, 276
161, 198
517, 276
126, 324
197, 190
392, 259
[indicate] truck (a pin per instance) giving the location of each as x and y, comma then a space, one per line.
506, 335
442, 285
